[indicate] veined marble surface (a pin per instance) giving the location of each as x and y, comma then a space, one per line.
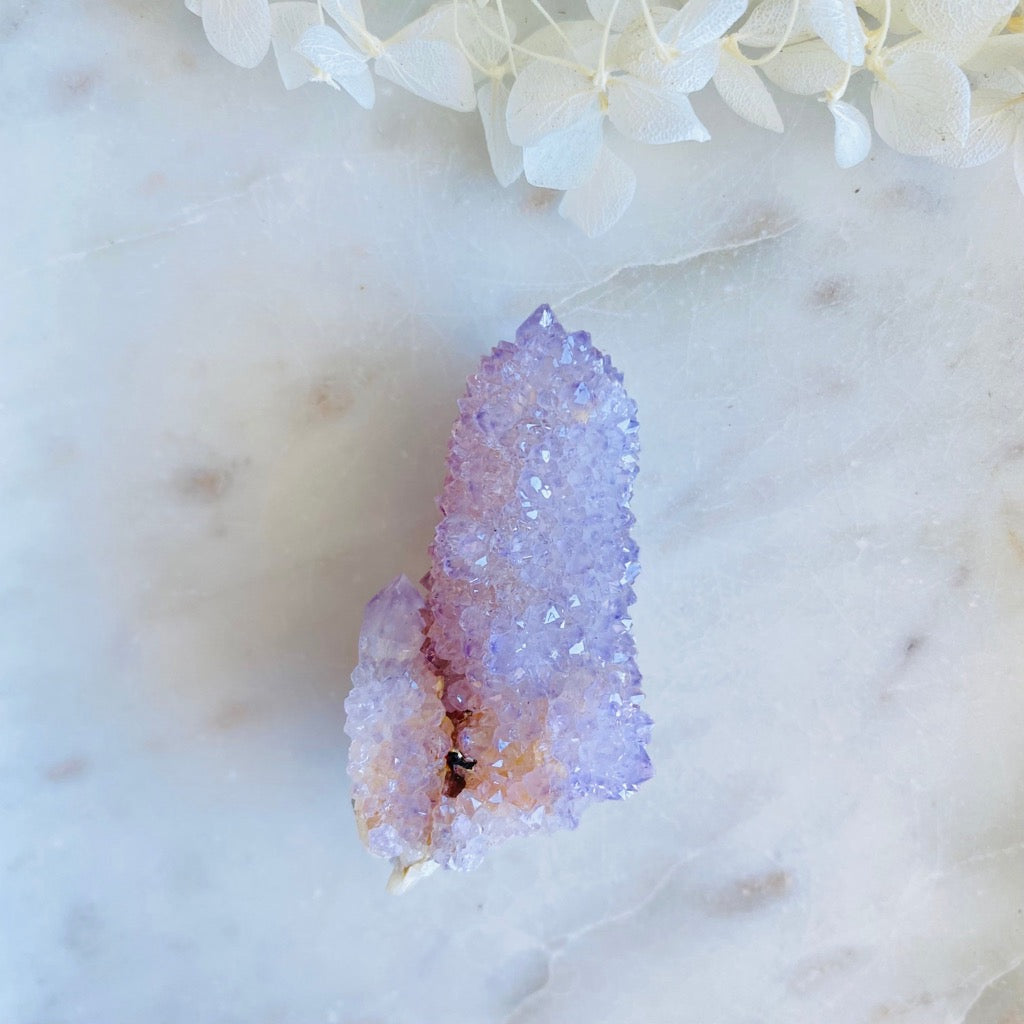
235, 322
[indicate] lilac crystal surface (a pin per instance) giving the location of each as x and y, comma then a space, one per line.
507, 699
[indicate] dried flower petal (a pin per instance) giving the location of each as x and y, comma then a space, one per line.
238, 29
506, 158
744, 93
288, 21
922, 105
839, 25
598, 204
565, 159
853, 133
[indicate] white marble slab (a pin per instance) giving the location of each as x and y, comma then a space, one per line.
234, 325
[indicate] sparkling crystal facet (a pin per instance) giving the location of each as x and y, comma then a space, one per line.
508, 698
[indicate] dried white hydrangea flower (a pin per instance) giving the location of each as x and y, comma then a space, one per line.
553, 91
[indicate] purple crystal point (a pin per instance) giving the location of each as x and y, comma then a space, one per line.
509, 699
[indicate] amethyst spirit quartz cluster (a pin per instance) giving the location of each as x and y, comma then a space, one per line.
507, 698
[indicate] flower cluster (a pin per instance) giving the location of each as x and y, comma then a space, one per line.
947, 76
